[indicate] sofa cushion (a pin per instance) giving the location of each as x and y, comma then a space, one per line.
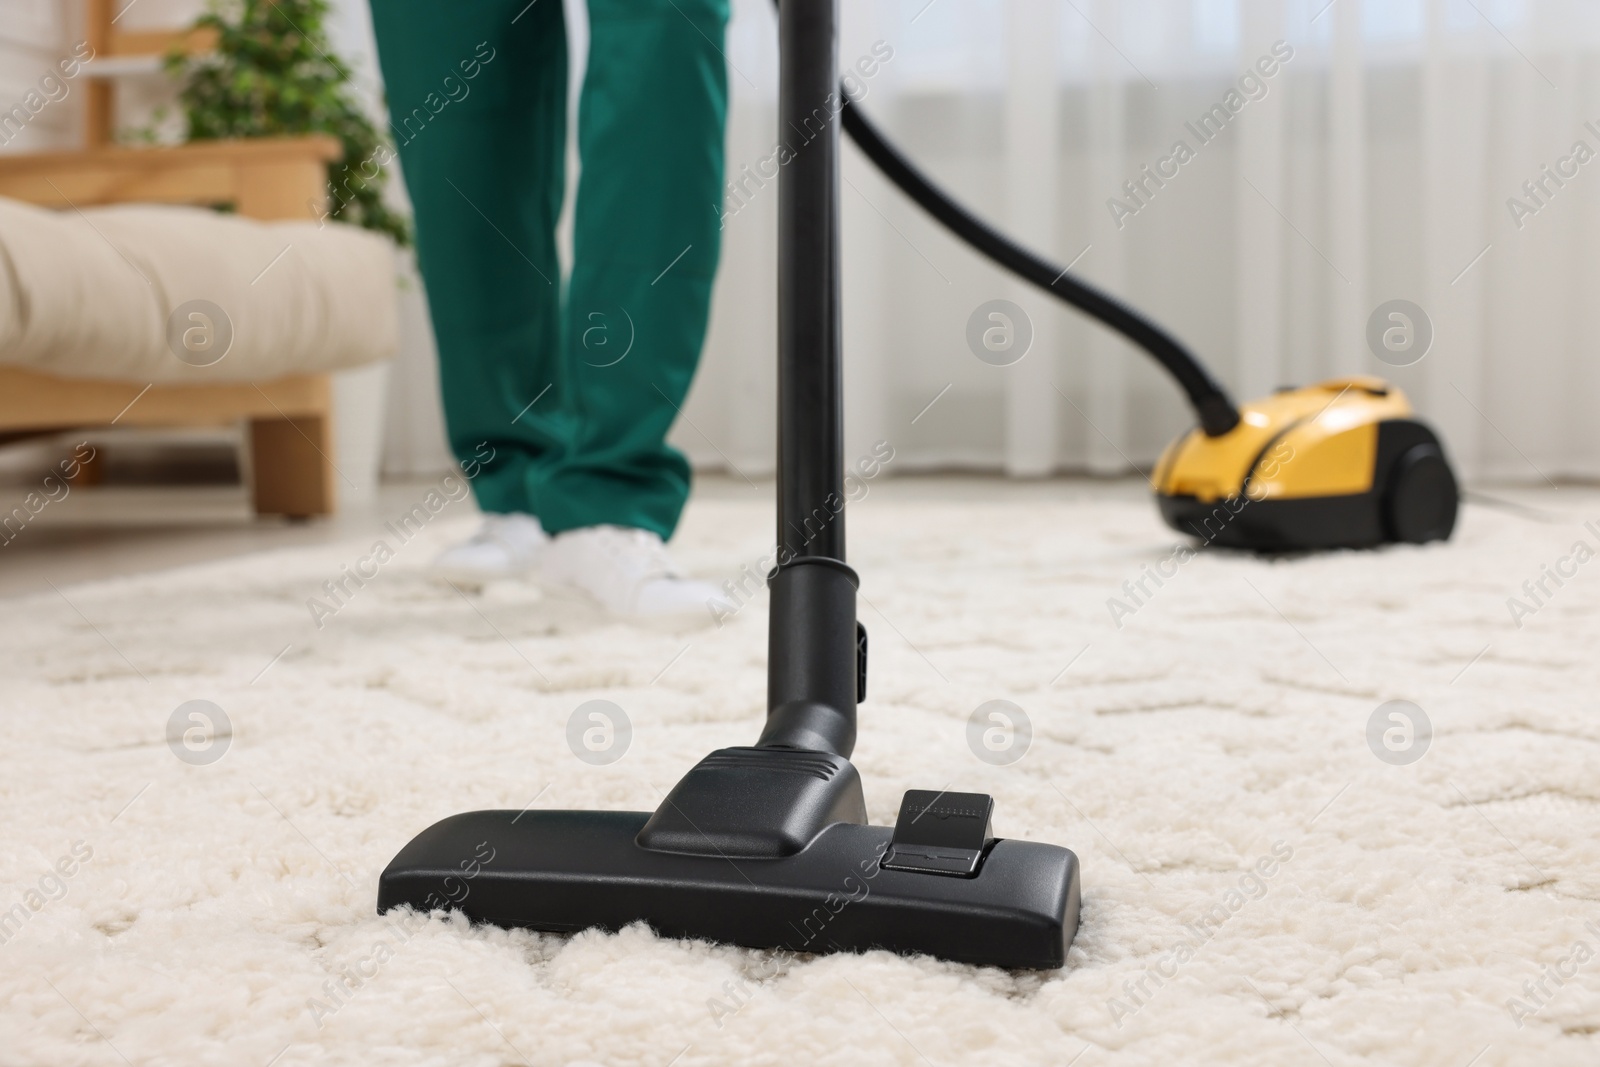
88, 294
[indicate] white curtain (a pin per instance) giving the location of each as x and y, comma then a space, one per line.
1375, 163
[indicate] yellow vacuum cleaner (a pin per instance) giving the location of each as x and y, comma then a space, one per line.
1343, 464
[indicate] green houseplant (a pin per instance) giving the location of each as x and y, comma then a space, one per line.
273, 74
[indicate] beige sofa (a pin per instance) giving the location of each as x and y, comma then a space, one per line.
89, 292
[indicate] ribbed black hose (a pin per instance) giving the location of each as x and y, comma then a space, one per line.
1216, 412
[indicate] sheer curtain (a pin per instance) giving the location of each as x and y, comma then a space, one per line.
1381, 158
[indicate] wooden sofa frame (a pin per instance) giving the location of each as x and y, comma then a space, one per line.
290, 419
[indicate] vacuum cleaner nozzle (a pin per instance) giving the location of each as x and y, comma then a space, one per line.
761, 847
766, 846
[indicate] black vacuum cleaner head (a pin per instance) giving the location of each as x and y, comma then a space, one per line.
768, 846
763, 847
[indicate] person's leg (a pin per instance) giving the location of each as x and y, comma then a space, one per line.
477, 97
650, 136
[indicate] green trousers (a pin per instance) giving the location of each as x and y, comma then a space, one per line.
572, 398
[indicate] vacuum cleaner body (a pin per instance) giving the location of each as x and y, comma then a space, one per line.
1340, 464
1363, 472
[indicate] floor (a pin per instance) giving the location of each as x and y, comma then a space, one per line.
1276, 869
114, 530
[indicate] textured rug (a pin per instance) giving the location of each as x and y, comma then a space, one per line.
1280, 865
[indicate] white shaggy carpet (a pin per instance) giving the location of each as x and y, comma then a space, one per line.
1442, 913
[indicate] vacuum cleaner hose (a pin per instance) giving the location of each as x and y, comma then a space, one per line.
1216, 412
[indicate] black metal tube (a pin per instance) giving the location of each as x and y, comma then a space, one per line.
811, 658
811, 634
810, 408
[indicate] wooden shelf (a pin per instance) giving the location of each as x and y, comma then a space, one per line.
264, 178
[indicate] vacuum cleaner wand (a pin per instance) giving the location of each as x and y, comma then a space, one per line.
812, 634
769, 846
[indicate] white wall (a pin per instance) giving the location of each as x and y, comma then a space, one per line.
33, 36
1378, 166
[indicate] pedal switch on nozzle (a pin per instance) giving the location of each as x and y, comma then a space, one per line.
941, 833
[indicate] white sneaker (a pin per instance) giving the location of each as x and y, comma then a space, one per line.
504, 546
627, 571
